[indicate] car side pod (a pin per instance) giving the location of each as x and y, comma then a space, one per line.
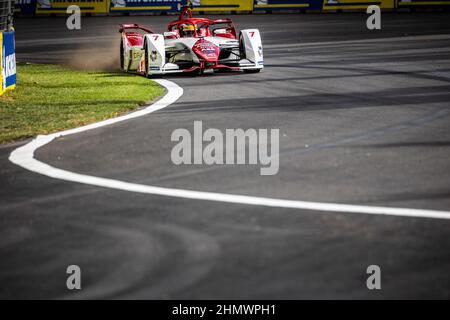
251, 50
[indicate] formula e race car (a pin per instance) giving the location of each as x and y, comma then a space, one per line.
191, 44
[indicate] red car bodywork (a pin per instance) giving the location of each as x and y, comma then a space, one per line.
133, 37
207, 52
202, 25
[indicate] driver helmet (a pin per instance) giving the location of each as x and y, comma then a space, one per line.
187, 30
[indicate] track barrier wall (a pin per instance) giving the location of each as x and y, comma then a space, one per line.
8, 61
60, 6
265, 5
356, 4
423, 3
25, 6
1, 64
223, 5
7, 50
245, 6
144, 5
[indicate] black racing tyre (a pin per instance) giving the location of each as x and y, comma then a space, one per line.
252, 71
197, 72
122, 58
243, 55
241, 47
146, 73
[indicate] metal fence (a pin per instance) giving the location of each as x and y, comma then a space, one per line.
6, 14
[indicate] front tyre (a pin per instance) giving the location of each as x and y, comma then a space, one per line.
242, 47
243, 55
252, 70
197, 72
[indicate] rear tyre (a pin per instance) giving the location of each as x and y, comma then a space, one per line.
146, 73
122, 56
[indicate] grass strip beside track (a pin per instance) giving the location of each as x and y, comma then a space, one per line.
51, 98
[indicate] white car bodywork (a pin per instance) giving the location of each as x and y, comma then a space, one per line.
162, 54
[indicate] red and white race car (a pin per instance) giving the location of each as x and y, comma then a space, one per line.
191, 44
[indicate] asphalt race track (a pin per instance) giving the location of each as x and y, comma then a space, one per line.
364, 118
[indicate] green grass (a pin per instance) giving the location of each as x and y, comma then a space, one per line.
50, 98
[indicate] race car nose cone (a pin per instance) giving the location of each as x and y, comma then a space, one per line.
206, 50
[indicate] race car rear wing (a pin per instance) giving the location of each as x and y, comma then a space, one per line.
230, 29
124, 27
222, 21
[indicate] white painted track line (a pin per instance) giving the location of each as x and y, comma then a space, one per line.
24, 157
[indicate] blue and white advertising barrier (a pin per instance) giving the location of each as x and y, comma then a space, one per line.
145, 5
423, 3
60, 6
222, 5
287, 5
25, 6
8, 61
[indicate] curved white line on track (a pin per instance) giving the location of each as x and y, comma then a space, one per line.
24, 157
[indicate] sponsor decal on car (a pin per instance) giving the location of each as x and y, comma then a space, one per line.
153, 56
